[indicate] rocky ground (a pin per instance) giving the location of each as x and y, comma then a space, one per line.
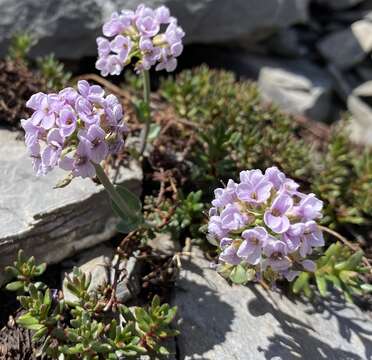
311, 57
220, 321
216, 320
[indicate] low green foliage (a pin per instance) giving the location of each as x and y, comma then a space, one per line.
238, 132
338, 267
22, 272
85, 328
134, 219
343, 182
181, 219
53, 71
188, 214
20, 46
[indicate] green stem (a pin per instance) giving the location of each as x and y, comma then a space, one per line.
110, 188
146, 99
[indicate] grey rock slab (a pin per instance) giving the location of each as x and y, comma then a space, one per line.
69, 27
219, 321
96, 262
297, 86
364, 90
286, 43
360, 106
164, 243
129, 279
364, 71
51, 224
348, 47
340, 4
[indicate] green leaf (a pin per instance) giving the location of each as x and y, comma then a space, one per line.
134, 219
155, 301
170, 316
40, 333
163, 351
321, 284
348, 296
143, 110
40, 269
335, 281
21, 256
142, 315
239, 275
133, 202
137, 348
355, 260
154, 132
341, 265
15, 286
126, 226
101, 348
366, 287
126, 313
29, 322
12, 271
301, 282
48, 297
347, 276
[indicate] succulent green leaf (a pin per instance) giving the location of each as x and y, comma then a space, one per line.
366, 287
40, 269
301, 282
321, 284
170, 316
15, 286
142, 109
155, 301
40, 333
335, 281
12, 271
154, 132
101, 348
163, 351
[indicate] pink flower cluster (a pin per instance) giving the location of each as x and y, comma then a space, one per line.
73, 128
265, 223
137, 34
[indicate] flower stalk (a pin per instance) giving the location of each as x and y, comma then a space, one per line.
147, 112
110, 188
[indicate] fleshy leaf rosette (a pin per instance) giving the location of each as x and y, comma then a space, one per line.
151, 36
73, 129
265, 227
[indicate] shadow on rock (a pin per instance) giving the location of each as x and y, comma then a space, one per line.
348, 322
206, 319
296, 339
